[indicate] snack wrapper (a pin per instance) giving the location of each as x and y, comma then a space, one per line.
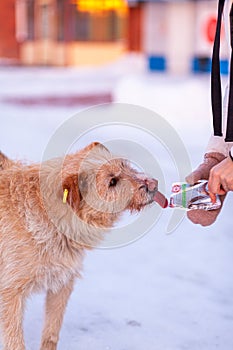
192, 197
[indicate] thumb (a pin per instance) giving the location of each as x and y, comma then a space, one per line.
194, 177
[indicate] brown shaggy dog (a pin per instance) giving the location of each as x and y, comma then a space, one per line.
49, 214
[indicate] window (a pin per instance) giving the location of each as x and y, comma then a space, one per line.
82, 26
30, 20
90, 20
45, 23
99, 26
60, 20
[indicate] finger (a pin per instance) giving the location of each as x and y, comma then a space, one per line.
212, 197
222, 191
214, 183
215, 187
194, 177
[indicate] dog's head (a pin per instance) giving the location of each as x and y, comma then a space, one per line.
104, 186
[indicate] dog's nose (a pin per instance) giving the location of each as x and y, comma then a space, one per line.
151, 184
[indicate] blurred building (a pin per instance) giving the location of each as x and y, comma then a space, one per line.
70, 32
9, 46
175, 36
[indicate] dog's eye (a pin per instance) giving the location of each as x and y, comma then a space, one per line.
113, 182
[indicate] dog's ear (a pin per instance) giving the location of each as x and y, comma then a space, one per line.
5, 162
71, 193
93, 145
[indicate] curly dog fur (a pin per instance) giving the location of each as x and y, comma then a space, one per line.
44, 233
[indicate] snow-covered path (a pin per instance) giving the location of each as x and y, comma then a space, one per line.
162, 292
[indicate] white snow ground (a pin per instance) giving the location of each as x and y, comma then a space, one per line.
162, 292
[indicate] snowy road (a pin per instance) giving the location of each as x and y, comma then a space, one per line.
162, 292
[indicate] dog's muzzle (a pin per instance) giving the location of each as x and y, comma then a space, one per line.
152, 189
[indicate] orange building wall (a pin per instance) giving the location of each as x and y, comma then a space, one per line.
9, 48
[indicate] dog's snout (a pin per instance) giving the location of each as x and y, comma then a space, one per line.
150, 185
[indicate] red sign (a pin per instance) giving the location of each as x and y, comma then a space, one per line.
210, 29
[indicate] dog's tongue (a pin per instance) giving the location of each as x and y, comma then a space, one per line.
161, 199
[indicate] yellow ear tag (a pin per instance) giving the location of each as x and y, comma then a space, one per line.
65, 195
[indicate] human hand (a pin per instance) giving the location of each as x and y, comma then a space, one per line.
205, 217
203, 171
221, 179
